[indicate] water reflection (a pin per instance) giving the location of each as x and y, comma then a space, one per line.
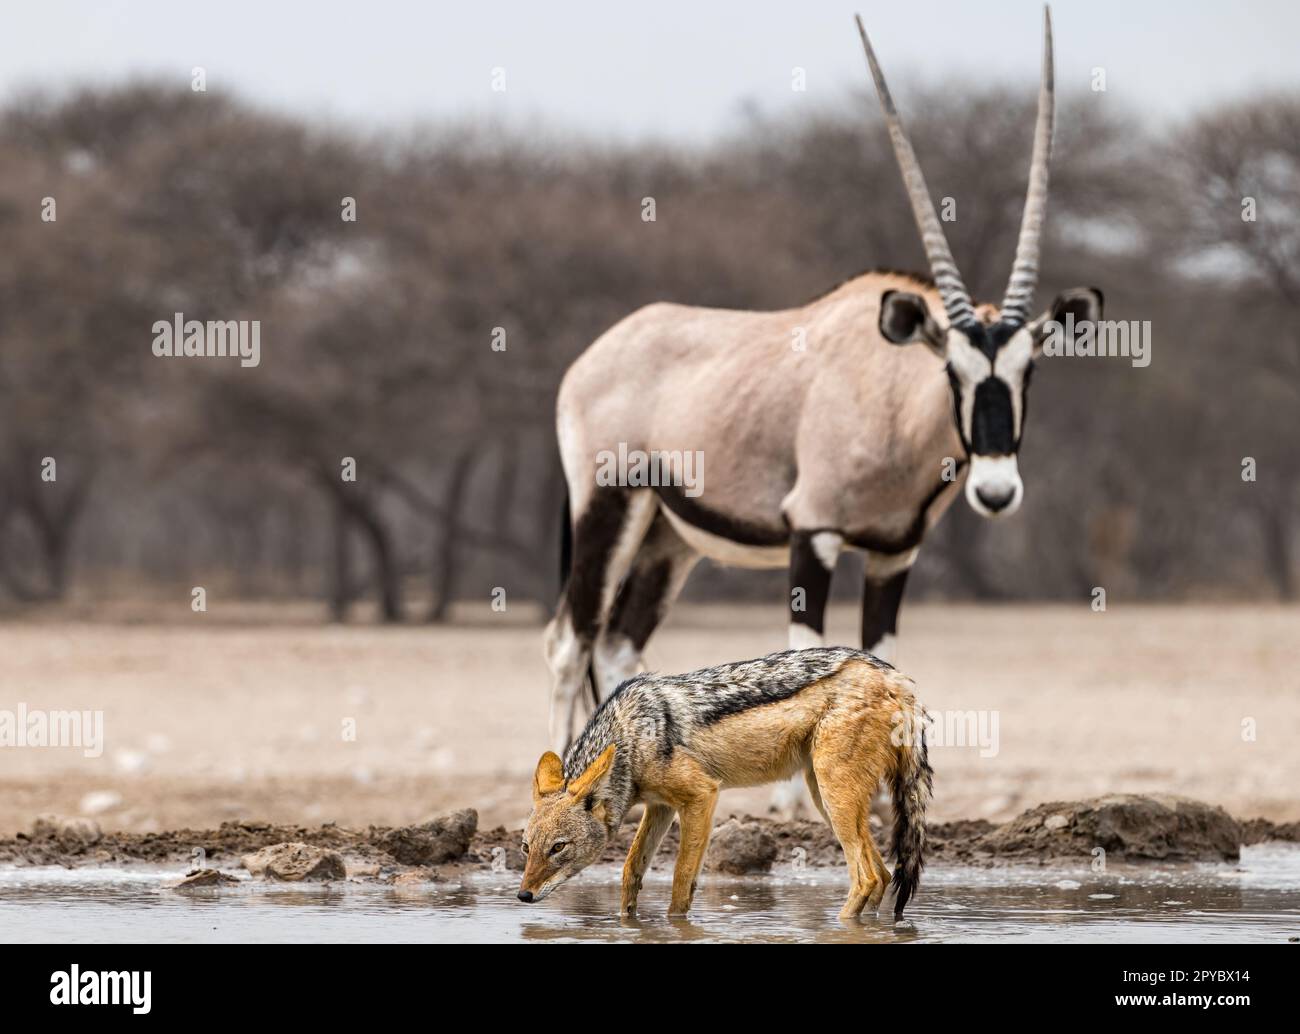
1256, 901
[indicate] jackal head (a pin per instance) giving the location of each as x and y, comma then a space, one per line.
568, 829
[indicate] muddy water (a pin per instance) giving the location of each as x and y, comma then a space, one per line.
1258, 900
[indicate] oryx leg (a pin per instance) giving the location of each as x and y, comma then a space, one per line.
882, 595
606, 535
659, 571
812, 563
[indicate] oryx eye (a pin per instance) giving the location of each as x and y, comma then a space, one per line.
560, 845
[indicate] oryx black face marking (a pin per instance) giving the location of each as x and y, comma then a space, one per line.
984, 393
992, 422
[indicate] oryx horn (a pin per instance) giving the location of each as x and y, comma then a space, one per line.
956, 299
1024, 271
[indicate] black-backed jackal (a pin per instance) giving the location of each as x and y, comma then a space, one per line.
843, 718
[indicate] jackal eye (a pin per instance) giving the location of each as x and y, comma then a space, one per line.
559, 846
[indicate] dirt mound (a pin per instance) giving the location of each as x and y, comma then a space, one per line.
53, 842
69, 832
1128, 827
1257, 831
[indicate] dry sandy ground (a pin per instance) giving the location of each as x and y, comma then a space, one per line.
206, 721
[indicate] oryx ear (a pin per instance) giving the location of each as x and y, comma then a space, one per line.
549, 777
904, 318
596, 775
1084, 304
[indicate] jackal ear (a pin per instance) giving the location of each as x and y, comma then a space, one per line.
549, 777
1081, 304
596, 775
904, 318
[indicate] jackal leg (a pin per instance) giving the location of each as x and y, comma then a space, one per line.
606, 535
882, 874
696, 817
649, 835
873, 855
848, 761
659, 571
814, 791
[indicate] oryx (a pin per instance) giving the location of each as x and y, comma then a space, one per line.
850, 441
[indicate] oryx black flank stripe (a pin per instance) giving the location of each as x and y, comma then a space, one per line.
748, 533
733, 529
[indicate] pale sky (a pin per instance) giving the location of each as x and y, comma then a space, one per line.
677, 69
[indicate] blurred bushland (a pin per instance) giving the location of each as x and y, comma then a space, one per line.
376, 338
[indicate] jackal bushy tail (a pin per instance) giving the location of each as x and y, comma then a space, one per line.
912, 786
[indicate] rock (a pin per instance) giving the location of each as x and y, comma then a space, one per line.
362, 870
294, 863
67, 830
412, 878
741, 847
200, 878
1129, 827
445, 839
